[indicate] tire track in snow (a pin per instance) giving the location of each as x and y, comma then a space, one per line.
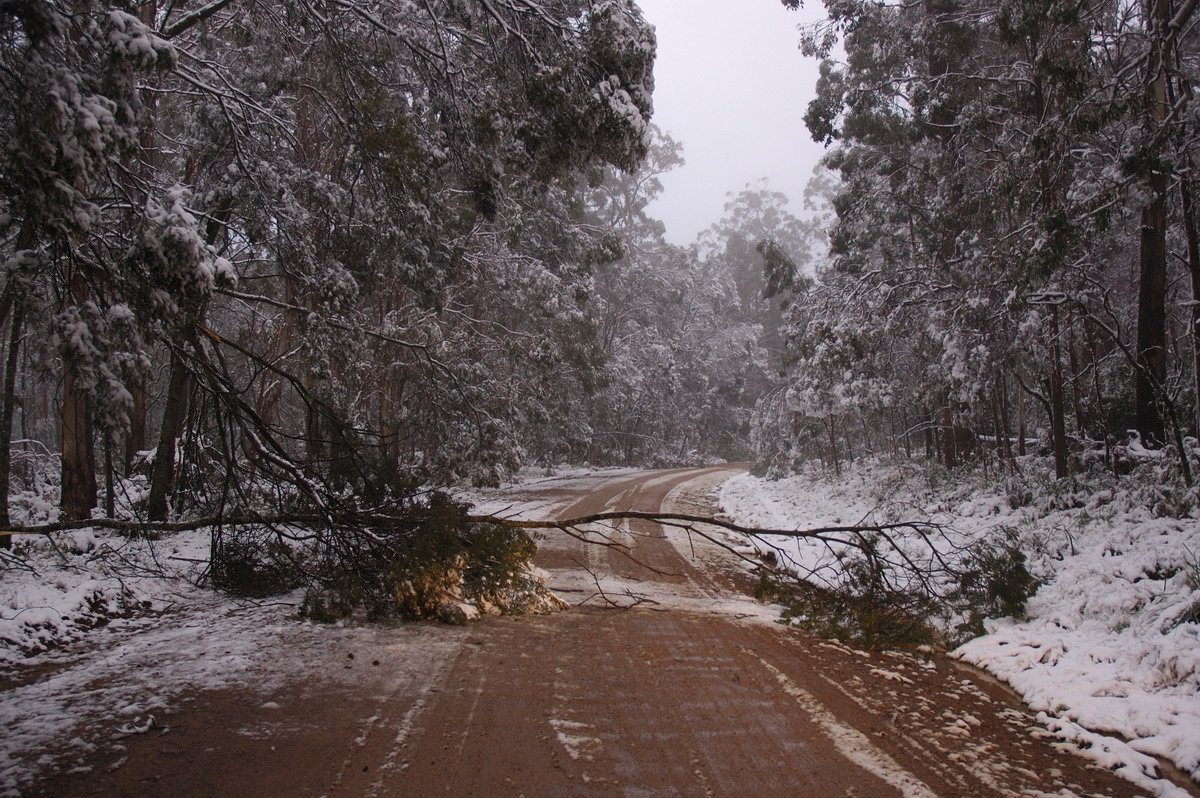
849, 741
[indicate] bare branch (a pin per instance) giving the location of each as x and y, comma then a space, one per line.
690, 521
192, 19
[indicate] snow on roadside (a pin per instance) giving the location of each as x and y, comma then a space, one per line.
789, 505
1109, 653
64, 588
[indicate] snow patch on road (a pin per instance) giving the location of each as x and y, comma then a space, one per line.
578, 746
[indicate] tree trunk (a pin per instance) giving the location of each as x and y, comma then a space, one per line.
847, 437
162, 476
1057, 410
833, 448
1073, 360
314, 445
1000, 418
135, 440
1101, 422
78, 496
1152, 281
948, 449
78, 452
179, 388
6, 417
1193, 250
110, 499
1021, 431
927, 427
1152, 316
391, 395
1005, 416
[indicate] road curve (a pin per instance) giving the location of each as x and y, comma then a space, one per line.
678, 697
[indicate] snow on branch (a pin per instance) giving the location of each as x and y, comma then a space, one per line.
193, 18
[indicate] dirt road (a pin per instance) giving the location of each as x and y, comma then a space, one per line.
664, 681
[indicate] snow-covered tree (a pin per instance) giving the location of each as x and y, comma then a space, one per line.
997, 159
333, 240
682, 368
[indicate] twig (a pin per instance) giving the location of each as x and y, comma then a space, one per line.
13, 561
636, 599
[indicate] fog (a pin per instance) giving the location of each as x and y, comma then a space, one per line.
732, 86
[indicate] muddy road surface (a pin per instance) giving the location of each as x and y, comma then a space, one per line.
664, 679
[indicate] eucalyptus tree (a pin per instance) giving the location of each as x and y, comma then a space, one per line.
991, 152
305, 224
72, 206
758, 232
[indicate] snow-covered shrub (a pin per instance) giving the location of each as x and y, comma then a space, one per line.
1191, 578
862, 612
54, 590
877, 599
994, 582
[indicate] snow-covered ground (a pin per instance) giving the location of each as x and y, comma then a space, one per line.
1109, 653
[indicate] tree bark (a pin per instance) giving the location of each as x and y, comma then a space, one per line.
78, 496
135, 439
833, 448
927, 428
179, 389
110, 499
1193, 250
314, 444
162, 476
1000, 419
948, 447
1057, 403
1073, 360
1152, 316
6, 417
1005, 418
1021, 432
78, 451
1151, 370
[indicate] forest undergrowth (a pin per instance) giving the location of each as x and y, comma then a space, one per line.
1003, 535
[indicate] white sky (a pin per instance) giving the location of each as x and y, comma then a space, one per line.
732, 86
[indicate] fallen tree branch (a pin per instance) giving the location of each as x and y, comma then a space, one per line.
569, 525
684, 520
857, 536
122, 525
883, 575
876, 584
